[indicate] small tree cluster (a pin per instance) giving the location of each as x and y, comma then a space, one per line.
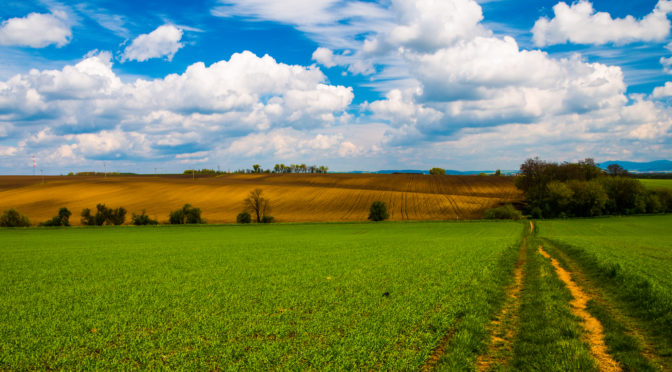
202, 172
142, 219
63, 218
186, 215
378, 211
583, 190
437, 171
299, 168
12, 218
103, 216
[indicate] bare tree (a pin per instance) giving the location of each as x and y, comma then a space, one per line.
257, 204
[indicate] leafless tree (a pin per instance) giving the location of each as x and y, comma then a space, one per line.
257, 204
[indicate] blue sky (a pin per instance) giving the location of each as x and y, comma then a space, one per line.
355, 85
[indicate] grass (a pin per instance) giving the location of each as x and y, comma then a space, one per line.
657, 184
630, 257
302, 296
549, 335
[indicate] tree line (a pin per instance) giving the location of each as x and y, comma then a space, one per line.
583, 189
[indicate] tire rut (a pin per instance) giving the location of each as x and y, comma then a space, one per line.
503, 328
593, 327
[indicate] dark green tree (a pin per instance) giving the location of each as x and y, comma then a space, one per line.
12, 218
378, 211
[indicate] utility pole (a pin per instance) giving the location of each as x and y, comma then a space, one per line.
42, 172
34, 165
105, 167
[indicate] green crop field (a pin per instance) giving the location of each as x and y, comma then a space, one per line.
641, 245
657, 184
629, 261
306, 296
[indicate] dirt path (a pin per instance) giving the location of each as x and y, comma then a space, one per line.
502, 329
592, 326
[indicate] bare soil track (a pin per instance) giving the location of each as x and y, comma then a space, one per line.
593, 327
294, 197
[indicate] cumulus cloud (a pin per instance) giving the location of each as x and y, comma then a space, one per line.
664, 91
37, 30
581, 24
99, 116
162, 42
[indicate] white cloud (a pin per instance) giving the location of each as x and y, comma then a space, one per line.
667, 63
177, 114
664, 91
37, 30
162, 42
580, 24
7, 150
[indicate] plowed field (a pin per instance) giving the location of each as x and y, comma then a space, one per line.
294, 197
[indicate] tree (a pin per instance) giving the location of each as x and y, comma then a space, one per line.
12, 218
256, 168
243, 217
616, 170
186, 215
378, 211
498, 172
63, 218
257, 204
437, 171
103, 216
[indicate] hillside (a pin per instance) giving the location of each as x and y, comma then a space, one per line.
294, 197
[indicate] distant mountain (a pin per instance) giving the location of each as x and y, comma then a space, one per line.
448, 171
656, 166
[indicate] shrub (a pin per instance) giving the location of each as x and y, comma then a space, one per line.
142, 219
267, 219
244, 217
504, 212
103, 216
186, 215
437, 171
63, 218
378, 211
12, 218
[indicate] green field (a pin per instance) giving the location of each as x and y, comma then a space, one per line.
640, 245
657, 184
629, 261
306, 296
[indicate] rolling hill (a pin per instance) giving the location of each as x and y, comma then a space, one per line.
294, 197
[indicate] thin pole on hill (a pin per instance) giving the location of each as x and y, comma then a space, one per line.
42, 173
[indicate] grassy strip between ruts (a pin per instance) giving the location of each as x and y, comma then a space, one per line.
621, 343
549, 337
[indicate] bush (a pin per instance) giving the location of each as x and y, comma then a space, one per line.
378, 211
142, 219
12, 218
267, 219
504, 212
103, 216
186, 215
437, 171
63, 218
244, 217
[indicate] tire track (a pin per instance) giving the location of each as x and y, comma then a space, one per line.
503, 328
593, 327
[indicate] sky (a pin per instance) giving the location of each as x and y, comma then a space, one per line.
163, 86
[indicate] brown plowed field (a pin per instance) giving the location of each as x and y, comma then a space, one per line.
294, 197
